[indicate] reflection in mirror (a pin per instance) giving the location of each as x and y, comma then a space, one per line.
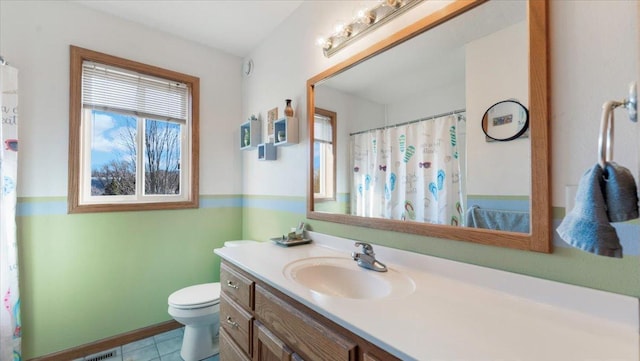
405, 113
409, 171
413, 152
324, 154
505, 120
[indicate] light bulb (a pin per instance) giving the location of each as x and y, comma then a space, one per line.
394, 3
347, 31
366, 16
324, 43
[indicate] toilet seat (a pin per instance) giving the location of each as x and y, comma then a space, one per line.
198, 296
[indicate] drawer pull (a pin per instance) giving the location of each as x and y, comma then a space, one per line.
232, 322
230, 284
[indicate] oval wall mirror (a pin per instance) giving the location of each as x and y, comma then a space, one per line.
505, 121
396, 153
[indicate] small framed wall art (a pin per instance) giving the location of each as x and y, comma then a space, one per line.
272, 116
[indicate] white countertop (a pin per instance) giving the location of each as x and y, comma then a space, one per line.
460, 311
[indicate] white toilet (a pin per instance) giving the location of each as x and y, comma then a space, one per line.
197, 308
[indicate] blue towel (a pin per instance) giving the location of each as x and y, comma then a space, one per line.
501, 220
620, 193
587, 226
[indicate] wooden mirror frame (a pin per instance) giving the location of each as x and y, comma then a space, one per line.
539, 239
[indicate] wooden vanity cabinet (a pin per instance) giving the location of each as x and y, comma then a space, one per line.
311, 338
259, 323
267, 346
229, 351
236, 312
237, 323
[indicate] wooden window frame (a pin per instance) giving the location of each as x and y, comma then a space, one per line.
77, 57
333, 116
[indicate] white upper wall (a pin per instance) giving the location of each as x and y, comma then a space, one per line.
497, 69
35, 37
594, 56
593, 51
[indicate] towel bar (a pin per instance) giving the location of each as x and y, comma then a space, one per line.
605, 139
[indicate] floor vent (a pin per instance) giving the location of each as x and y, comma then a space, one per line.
107, 355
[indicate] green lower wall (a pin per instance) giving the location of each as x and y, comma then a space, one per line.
340, 205
261, 225
86, 277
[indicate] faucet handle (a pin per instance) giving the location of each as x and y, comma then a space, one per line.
366, 248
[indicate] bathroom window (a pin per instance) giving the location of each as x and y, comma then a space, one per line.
133, 135
324, 154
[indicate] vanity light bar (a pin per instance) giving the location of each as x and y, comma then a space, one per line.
366, 20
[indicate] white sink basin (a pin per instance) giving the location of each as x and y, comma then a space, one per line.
342, 278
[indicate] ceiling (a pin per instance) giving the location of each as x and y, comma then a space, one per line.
233, 26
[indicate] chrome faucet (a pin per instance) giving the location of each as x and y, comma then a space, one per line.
367, 259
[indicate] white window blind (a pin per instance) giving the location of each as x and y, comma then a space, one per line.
113, 89
322, 129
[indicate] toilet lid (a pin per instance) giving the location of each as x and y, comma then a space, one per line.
202, 295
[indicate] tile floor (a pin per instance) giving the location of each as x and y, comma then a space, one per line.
162, 347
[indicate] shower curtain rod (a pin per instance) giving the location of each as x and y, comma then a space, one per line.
413, 121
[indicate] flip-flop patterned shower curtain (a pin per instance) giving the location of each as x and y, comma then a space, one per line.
409, 172
10, 324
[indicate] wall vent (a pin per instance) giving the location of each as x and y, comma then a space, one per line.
103, 356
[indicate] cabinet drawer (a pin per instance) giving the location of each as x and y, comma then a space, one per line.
309, 338
236, 286
229, 351
237, 323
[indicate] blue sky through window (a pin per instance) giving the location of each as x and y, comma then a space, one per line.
111, 131
113, 138
316, 155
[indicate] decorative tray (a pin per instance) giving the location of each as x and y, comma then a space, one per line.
283, 241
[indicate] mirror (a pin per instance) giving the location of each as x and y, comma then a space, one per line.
504, 121
465, 53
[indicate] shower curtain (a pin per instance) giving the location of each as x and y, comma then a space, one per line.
10, 324
409, 172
